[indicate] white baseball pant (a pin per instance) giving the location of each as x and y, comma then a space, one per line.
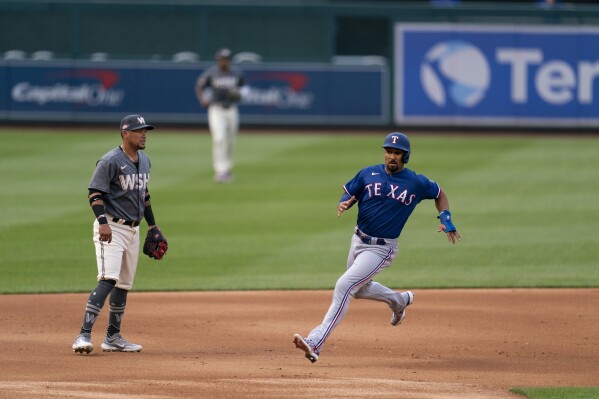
117, 260
224, 125
363, 263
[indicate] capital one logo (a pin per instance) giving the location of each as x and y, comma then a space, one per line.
456, 70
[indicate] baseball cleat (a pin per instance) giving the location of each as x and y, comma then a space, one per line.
397, 317
225, 177
300, 343
83, 344
116, 343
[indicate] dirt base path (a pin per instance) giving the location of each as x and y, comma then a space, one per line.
452, 344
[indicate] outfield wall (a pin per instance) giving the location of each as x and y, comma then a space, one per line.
507, 64
83, 91
496, 75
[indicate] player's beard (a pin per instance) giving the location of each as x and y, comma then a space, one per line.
392, 167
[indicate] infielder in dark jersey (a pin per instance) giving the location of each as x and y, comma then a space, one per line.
119, 197
386, 195
220, 88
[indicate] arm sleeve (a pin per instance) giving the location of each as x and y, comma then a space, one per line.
345, 195
431, 188
352, 188
101, 178
203, 81
149, 216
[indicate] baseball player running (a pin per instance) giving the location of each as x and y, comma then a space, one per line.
119, 198
220, 88
386, 195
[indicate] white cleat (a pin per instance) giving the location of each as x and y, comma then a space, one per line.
301, 343
83, 344
116, 343
397, 317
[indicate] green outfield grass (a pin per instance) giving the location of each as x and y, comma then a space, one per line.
525, 206
558, 393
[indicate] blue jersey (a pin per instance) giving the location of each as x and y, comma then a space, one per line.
386, 201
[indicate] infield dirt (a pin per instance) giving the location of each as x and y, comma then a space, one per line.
452, 344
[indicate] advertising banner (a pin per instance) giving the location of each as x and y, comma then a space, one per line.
99, 92
456, 74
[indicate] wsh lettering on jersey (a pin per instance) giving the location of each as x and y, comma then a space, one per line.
136, 181
224, 82
375, 190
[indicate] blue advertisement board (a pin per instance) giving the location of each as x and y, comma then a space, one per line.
455, 74
97, 92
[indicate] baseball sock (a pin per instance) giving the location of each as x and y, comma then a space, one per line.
118, 300
95, 303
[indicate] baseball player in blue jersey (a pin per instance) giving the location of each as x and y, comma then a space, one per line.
220, 88
119, 198
386, 195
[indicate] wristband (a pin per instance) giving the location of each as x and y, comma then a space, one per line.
149, 216
100, 215
445, 218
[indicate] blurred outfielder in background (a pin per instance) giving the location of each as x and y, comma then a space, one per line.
220, 88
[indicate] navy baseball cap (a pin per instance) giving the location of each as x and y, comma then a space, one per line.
397, 140
135, 122
401, 142
223, 53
